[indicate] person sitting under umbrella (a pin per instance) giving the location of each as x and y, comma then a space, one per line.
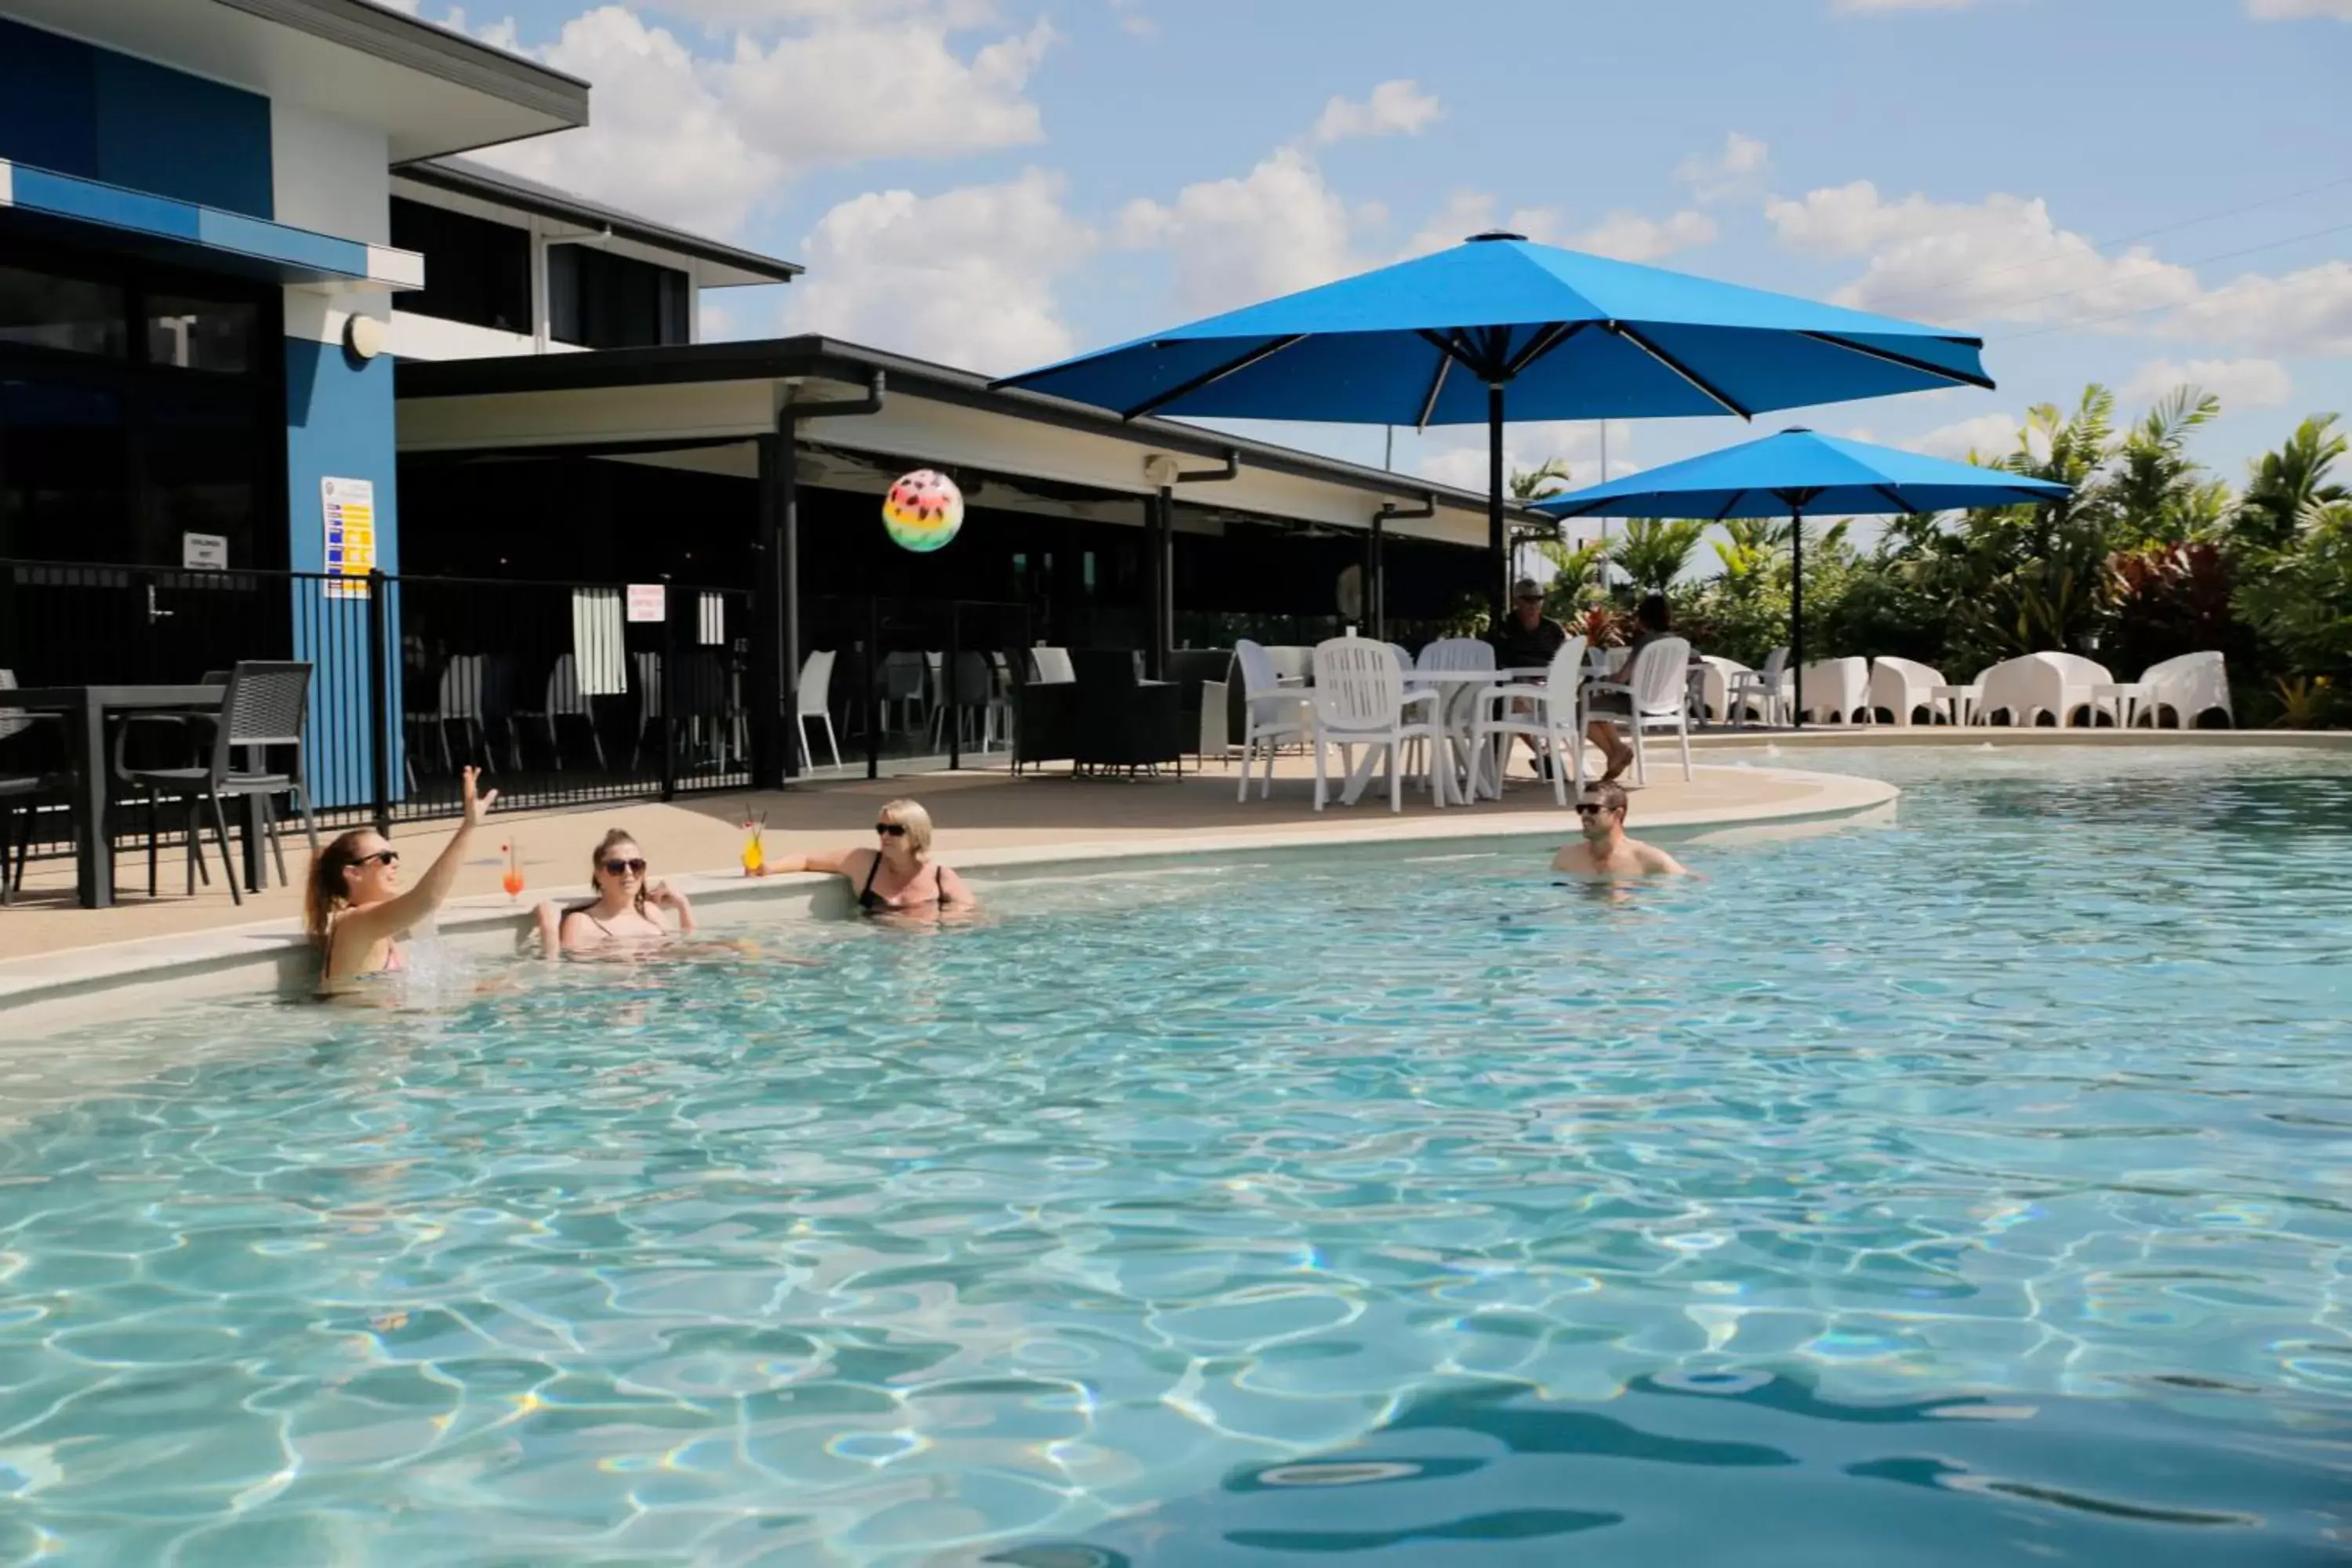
1526, 640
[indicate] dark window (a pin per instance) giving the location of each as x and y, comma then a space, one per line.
71, 315
201, 334
600, 300
137, 404
476, 271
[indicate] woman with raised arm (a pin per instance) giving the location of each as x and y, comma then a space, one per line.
897, 874
355, 909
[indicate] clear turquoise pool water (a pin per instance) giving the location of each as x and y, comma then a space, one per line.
1973, 1189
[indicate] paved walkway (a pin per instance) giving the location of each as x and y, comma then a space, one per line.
974, 811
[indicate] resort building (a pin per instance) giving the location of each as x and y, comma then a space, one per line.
266, 328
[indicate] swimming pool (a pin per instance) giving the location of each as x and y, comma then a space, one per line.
1951, 1191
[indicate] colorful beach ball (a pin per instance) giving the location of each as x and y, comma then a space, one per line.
923, 509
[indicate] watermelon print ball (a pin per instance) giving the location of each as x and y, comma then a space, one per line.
923, 509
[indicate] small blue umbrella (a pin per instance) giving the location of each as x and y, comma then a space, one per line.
1441, 338
1793, 473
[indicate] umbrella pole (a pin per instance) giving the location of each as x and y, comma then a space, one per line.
1797, 613
1499, 570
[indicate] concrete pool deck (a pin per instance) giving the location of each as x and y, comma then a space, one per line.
60, 964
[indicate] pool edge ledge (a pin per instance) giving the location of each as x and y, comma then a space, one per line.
45, 993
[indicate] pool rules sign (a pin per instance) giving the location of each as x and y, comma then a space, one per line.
348, 506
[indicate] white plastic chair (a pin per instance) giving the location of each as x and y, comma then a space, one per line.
1457, 704
2191, 684
815, 700
1836, 689
1657, 691
1548, 715
2058, 684
1273, 714
1715, 687
1051, 666
1360, 700
1767, 692
1903, 687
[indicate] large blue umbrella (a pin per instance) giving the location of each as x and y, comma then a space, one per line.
1438, 339
1793, 473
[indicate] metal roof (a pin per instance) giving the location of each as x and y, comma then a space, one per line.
464, 176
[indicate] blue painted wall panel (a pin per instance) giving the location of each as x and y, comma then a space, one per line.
48, 114
66, 106
180, 135
338, 425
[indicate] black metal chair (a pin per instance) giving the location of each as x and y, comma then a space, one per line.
1124, 721
33, 741
267, 705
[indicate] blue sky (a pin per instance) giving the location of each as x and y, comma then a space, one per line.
994, 184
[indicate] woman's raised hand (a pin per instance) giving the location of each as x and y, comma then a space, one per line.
476, 807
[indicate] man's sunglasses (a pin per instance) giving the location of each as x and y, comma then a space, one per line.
891, 829
633, 867
1587, 808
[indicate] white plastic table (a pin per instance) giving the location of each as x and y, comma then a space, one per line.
1963, 701
2127, 697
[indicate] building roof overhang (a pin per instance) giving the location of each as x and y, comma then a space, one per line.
431, 89
641, 400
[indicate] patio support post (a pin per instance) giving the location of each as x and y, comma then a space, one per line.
1797, 615
775, 587
1376, 576
1499, 570
380, 730
1159, 578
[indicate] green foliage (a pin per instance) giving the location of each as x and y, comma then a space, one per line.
2288, 489
2299, 598
1652, 552
1527, 484
1575, 570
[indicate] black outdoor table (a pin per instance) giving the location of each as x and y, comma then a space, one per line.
84, 709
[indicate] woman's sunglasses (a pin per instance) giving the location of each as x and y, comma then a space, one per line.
389, 856
891, 829
616, 867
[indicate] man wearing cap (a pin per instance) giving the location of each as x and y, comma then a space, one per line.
1527, 638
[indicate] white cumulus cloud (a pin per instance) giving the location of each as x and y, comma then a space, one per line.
1987, 434
2306, 313
2002, 258
1630, 237
2289, 10
2238, 383
703, 140
1395, 107
1734, 170
965, 278
1275, 230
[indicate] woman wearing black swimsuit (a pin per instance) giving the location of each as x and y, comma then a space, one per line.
898, 875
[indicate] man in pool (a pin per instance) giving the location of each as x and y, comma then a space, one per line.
1604, 850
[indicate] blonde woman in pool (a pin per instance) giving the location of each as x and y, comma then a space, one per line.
896, 874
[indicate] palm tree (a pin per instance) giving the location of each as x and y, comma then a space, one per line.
1573, 566
1526, 484
1652, 552
2288, 489
2159, 494
1750, 548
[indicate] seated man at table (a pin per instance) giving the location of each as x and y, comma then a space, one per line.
1526, 640
1604, 850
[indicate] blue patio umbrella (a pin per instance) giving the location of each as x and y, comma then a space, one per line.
1793, 473
1499, 325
